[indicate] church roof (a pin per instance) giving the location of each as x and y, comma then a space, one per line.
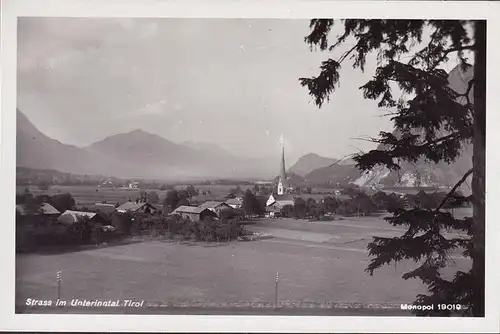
285, 197
280, 199
285, 202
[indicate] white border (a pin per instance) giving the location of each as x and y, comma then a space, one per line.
11, 9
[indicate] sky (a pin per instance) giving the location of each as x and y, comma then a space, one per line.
230, 82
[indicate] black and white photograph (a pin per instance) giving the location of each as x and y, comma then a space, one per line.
312, 166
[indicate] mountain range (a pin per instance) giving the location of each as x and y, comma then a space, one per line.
311, 161
142, 155
135, 154
317, 169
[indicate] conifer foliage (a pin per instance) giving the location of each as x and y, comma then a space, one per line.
433, 123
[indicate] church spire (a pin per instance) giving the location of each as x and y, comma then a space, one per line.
282, 167
282, 176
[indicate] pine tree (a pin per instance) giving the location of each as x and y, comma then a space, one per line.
434, 124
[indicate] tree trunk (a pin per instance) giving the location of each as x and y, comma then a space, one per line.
478, 162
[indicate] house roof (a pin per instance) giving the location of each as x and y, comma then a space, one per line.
45, 208
189, 209
131, 206
283, 197
212, 204
104, 207
158, 206
285, 202
233, 201
70, 217
280, 198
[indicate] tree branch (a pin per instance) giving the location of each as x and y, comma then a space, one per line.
342, 159
470, 84
347, 53
452, 191
469, 87
446, 52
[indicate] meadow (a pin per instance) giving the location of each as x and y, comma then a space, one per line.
88, 195
318, 263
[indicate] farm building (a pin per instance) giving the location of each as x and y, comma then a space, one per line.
44, 214
274, 209
215, 206
158, 207
71, 217
281, 200
45, 209
133, 185
235, 203
104, 208
194, 213
277, 202
137, 207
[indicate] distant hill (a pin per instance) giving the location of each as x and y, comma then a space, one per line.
426, 174
139, 154
146, 153
28, 176
35, 150
420, 174
293, 180
207, 147
333, 175
311, 161
136, 154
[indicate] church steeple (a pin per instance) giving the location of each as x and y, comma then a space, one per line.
282, 177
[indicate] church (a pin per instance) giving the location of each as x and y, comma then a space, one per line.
282, 196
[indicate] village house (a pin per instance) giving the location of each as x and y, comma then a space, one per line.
99, 224
215, 206
69, 217
46, 213
276, 203
133, 185
280, 199
105, 208
194, 213
137, 207
45, 209
106, 184
235, 203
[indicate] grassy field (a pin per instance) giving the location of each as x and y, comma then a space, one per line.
318, 263
87, 195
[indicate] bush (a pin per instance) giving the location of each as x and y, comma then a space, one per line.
208, 230
80, 232
287, 211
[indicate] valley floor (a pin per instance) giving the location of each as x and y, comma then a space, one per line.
320, 264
